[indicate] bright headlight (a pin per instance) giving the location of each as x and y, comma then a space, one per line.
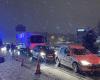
55, 53
42, 54
31, 51
3, 49
85, 63
18, 52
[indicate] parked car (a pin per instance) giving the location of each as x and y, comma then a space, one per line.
44, 53
78, 58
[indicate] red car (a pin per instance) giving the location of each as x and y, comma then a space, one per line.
78, 58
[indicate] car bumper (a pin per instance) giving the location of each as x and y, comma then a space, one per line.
50, 59
90, 68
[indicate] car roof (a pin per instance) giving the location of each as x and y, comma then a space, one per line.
77, 46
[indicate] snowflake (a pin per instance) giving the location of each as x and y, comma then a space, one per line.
44, 2
68, 3
7, 1
46, 22
44, 28
24, 15
52, 9
58, 27
70, 24
14, 18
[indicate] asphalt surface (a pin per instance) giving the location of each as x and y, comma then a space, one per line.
63, 70
64, 73
11, 70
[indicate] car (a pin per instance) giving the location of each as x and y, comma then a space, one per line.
21, 45
23, 51
50, 56
44, 53
78, 58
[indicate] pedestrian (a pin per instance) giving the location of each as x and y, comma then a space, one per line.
8, 47
13, 47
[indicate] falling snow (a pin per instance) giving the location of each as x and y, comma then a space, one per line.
48, 15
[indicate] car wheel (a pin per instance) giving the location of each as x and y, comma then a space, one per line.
75, 67
58, 64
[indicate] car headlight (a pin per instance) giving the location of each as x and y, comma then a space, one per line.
55, 53
18, 53
42, 53
31, 51
85, 63
3, 49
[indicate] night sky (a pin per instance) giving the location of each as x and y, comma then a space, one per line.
62, 16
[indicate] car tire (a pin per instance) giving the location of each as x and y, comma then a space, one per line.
58, 64
75, 67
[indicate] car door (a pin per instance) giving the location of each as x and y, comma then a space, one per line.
62, 55
66, 58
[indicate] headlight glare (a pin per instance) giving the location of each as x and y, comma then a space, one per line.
85, 63
42, 54
18, 52
3, 49
55, 53
31, 51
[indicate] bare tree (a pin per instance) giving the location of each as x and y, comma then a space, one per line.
98, 28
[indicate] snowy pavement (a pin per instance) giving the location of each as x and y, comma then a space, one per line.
61, 74
12, 70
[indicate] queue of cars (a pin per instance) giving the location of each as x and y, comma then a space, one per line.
43, 53
73, 55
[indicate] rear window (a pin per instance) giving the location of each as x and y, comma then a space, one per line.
44, 48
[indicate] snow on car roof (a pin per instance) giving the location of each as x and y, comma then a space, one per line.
77, 46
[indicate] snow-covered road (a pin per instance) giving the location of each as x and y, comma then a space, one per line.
12, 70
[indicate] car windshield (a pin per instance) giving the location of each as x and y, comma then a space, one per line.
44, 48
80, 51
